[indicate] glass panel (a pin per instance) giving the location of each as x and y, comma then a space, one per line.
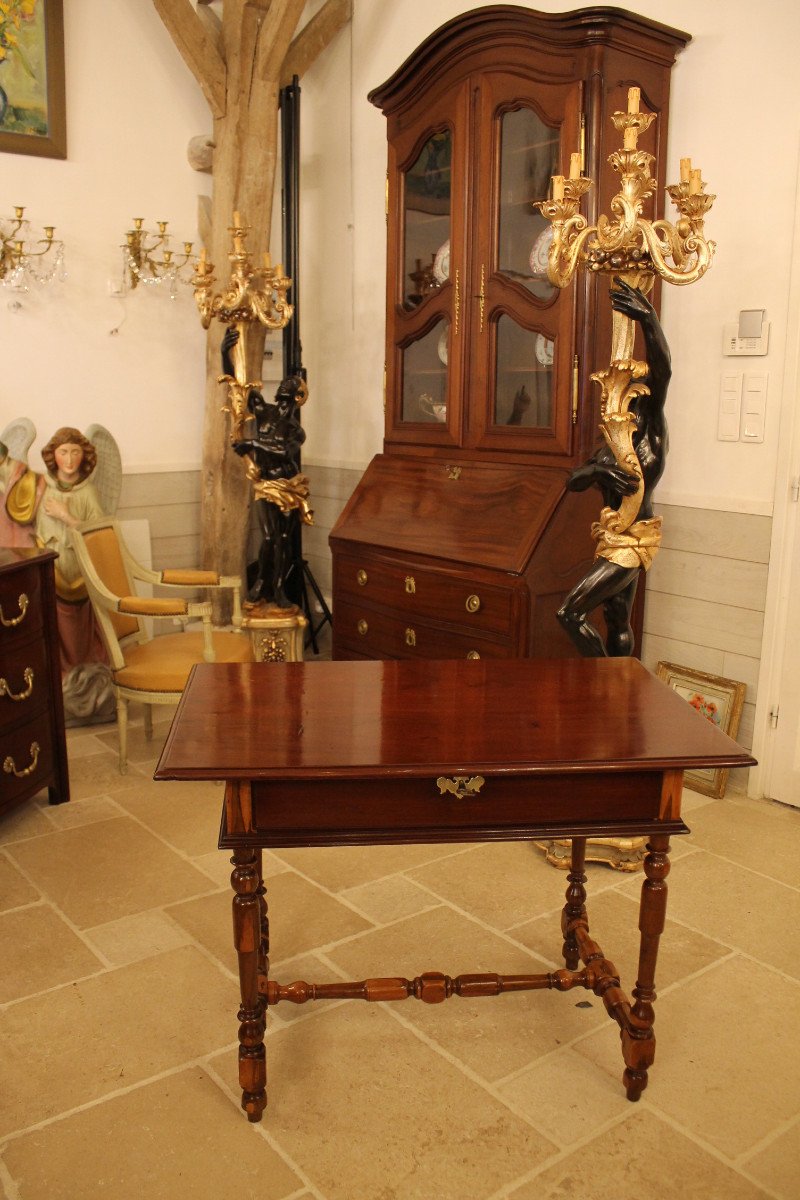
425, 376
524, 379
427, 220
528, 157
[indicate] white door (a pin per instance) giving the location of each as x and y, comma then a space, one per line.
776, 741
784, 768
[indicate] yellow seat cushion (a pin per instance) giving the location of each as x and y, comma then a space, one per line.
163, 665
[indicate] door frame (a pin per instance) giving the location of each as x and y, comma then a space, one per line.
785, 518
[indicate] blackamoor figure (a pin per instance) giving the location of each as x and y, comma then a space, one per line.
273, 448
611, 580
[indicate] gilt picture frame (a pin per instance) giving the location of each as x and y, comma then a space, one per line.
717, 699
32, 79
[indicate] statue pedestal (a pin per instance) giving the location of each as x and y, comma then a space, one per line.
278, 634
623, 854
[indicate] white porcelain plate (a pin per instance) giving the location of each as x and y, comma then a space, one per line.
544, 350
540, 251
441, 263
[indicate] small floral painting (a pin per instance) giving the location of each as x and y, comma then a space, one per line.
720, 701
32, 77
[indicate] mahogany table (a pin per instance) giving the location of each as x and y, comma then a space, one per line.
370, 753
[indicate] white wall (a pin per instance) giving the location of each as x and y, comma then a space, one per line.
132, 107
735, 111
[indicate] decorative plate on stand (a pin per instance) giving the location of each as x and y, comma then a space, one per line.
544, 350
540, 252
441, 263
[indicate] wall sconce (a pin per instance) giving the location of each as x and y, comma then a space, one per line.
148, 259
26, 258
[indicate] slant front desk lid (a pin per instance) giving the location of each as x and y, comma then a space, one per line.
487, 514
354, 720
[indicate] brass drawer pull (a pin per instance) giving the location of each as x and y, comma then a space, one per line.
411, 637
461, 786
361, 578
362, 627
23, 603
411, 585
10, 767
473, 654
473, 603
5, 690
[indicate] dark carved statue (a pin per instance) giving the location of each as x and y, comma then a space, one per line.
623, 547
272, 442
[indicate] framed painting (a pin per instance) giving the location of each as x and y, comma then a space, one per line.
719, 701
32, 105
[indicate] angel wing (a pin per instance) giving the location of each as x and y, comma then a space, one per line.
107, 477
19, 435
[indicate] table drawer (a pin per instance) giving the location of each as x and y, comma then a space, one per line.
20, 606
26, 758
423, 592
24, 680
429, 809
375, 634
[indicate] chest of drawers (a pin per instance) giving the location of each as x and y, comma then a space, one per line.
468, 561
33, 751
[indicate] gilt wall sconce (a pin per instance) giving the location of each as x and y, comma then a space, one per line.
28, 257
149, 259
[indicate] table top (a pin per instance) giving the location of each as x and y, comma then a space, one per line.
361, 719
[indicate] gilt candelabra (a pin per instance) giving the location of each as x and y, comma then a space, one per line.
252, 294
26, 258
634, 249
148, 258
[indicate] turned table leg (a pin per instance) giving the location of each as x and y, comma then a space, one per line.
638, 1041
250, 939
575, 908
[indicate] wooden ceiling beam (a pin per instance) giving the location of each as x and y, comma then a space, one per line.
197, 49
314, 37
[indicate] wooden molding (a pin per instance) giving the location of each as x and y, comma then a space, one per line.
197, 48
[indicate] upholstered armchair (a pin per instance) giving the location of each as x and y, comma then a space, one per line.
151, 670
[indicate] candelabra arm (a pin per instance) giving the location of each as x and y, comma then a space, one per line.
691, 256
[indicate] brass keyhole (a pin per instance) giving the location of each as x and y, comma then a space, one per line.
411, 637
411, 585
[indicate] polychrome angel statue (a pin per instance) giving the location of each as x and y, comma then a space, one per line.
82, 481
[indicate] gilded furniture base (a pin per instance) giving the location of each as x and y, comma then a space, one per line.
278, 634
622, 854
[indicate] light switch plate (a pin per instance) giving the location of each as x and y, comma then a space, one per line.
730, 406
733, 345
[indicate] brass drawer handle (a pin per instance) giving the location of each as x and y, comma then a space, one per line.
473, 603
473, 654
10, 767
461, 786
361, 578
411, 637
5, 690
411, 585
23, 603
362, 627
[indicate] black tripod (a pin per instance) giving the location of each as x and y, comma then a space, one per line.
299, 577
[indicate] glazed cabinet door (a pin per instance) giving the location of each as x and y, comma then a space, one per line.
426, 199
522, 332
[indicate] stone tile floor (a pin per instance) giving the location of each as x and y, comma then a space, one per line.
118, 1000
